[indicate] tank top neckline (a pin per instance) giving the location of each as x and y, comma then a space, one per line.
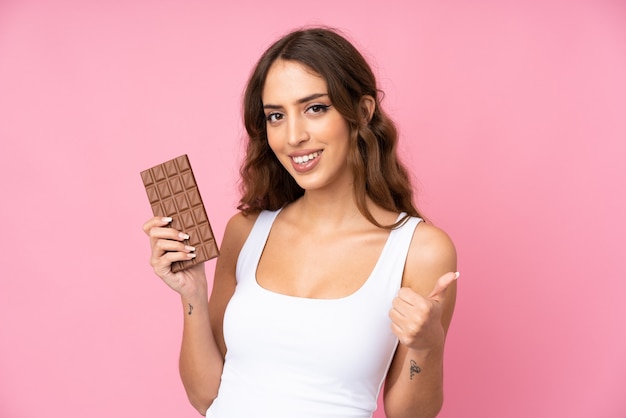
361, 289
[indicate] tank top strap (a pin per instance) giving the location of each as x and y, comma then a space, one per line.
255, 243
390, 267
400, 240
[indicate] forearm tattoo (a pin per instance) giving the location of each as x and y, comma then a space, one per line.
414, 369
190, 309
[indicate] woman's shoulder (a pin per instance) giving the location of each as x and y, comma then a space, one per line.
431, 254
239, 226
237, 230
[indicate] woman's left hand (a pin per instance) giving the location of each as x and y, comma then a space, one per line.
416, 320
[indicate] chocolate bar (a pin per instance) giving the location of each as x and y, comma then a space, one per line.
172, 191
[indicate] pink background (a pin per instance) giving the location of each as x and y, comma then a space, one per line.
513, 118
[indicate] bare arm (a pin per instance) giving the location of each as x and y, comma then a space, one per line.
200, 362
202, 350
421, 315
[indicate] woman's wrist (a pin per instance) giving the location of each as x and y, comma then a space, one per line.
194, 305
427, 353
197, 297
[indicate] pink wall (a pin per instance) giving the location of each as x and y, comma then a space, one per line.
513, 119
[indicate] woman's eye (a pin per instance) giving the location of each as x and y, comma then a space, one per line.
273, 117
318, 108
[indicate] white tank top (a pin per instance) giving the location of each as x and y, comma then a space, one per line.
293, 357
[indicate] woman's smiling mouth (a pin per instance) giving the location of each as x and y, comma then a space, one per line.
303, 159
305, 162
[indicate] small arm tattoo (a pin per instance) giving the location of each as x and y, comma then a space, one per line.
414, 369
190, 309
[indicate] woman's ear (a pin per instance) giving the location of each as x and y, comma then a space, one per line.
367, 105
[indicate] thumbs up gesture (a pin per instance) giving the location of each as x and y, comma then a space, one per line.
416, 320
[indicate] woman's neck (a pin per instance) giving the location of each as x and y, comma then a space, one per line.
328, 208
334, 212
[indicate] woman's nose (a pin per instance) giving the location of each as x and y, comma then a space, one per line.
297, 132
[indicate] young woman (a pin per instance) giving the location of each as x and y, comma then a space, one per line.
329, 283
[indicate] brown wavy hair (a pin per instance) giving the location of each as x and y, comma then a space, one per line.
378, 173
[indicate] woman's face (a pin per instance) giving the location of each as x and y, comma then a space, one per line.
308, 135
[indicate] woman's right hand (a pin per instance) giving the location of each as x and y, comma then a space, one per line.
167, 247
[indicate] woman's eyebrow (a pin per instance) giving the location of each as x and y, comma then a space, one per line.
299, 101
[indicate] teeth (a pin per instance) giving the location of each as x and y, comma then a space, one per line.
305, 158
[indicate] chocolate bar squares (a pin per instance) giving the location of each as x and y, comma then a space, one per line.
172, 191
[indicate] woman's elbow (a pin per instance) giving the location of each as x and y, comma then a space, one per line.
201, 402
429, 409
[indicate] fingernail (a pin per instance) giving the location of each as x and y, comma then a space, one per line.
191, 255
183, 236
456, 275
190, 248
166, 219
